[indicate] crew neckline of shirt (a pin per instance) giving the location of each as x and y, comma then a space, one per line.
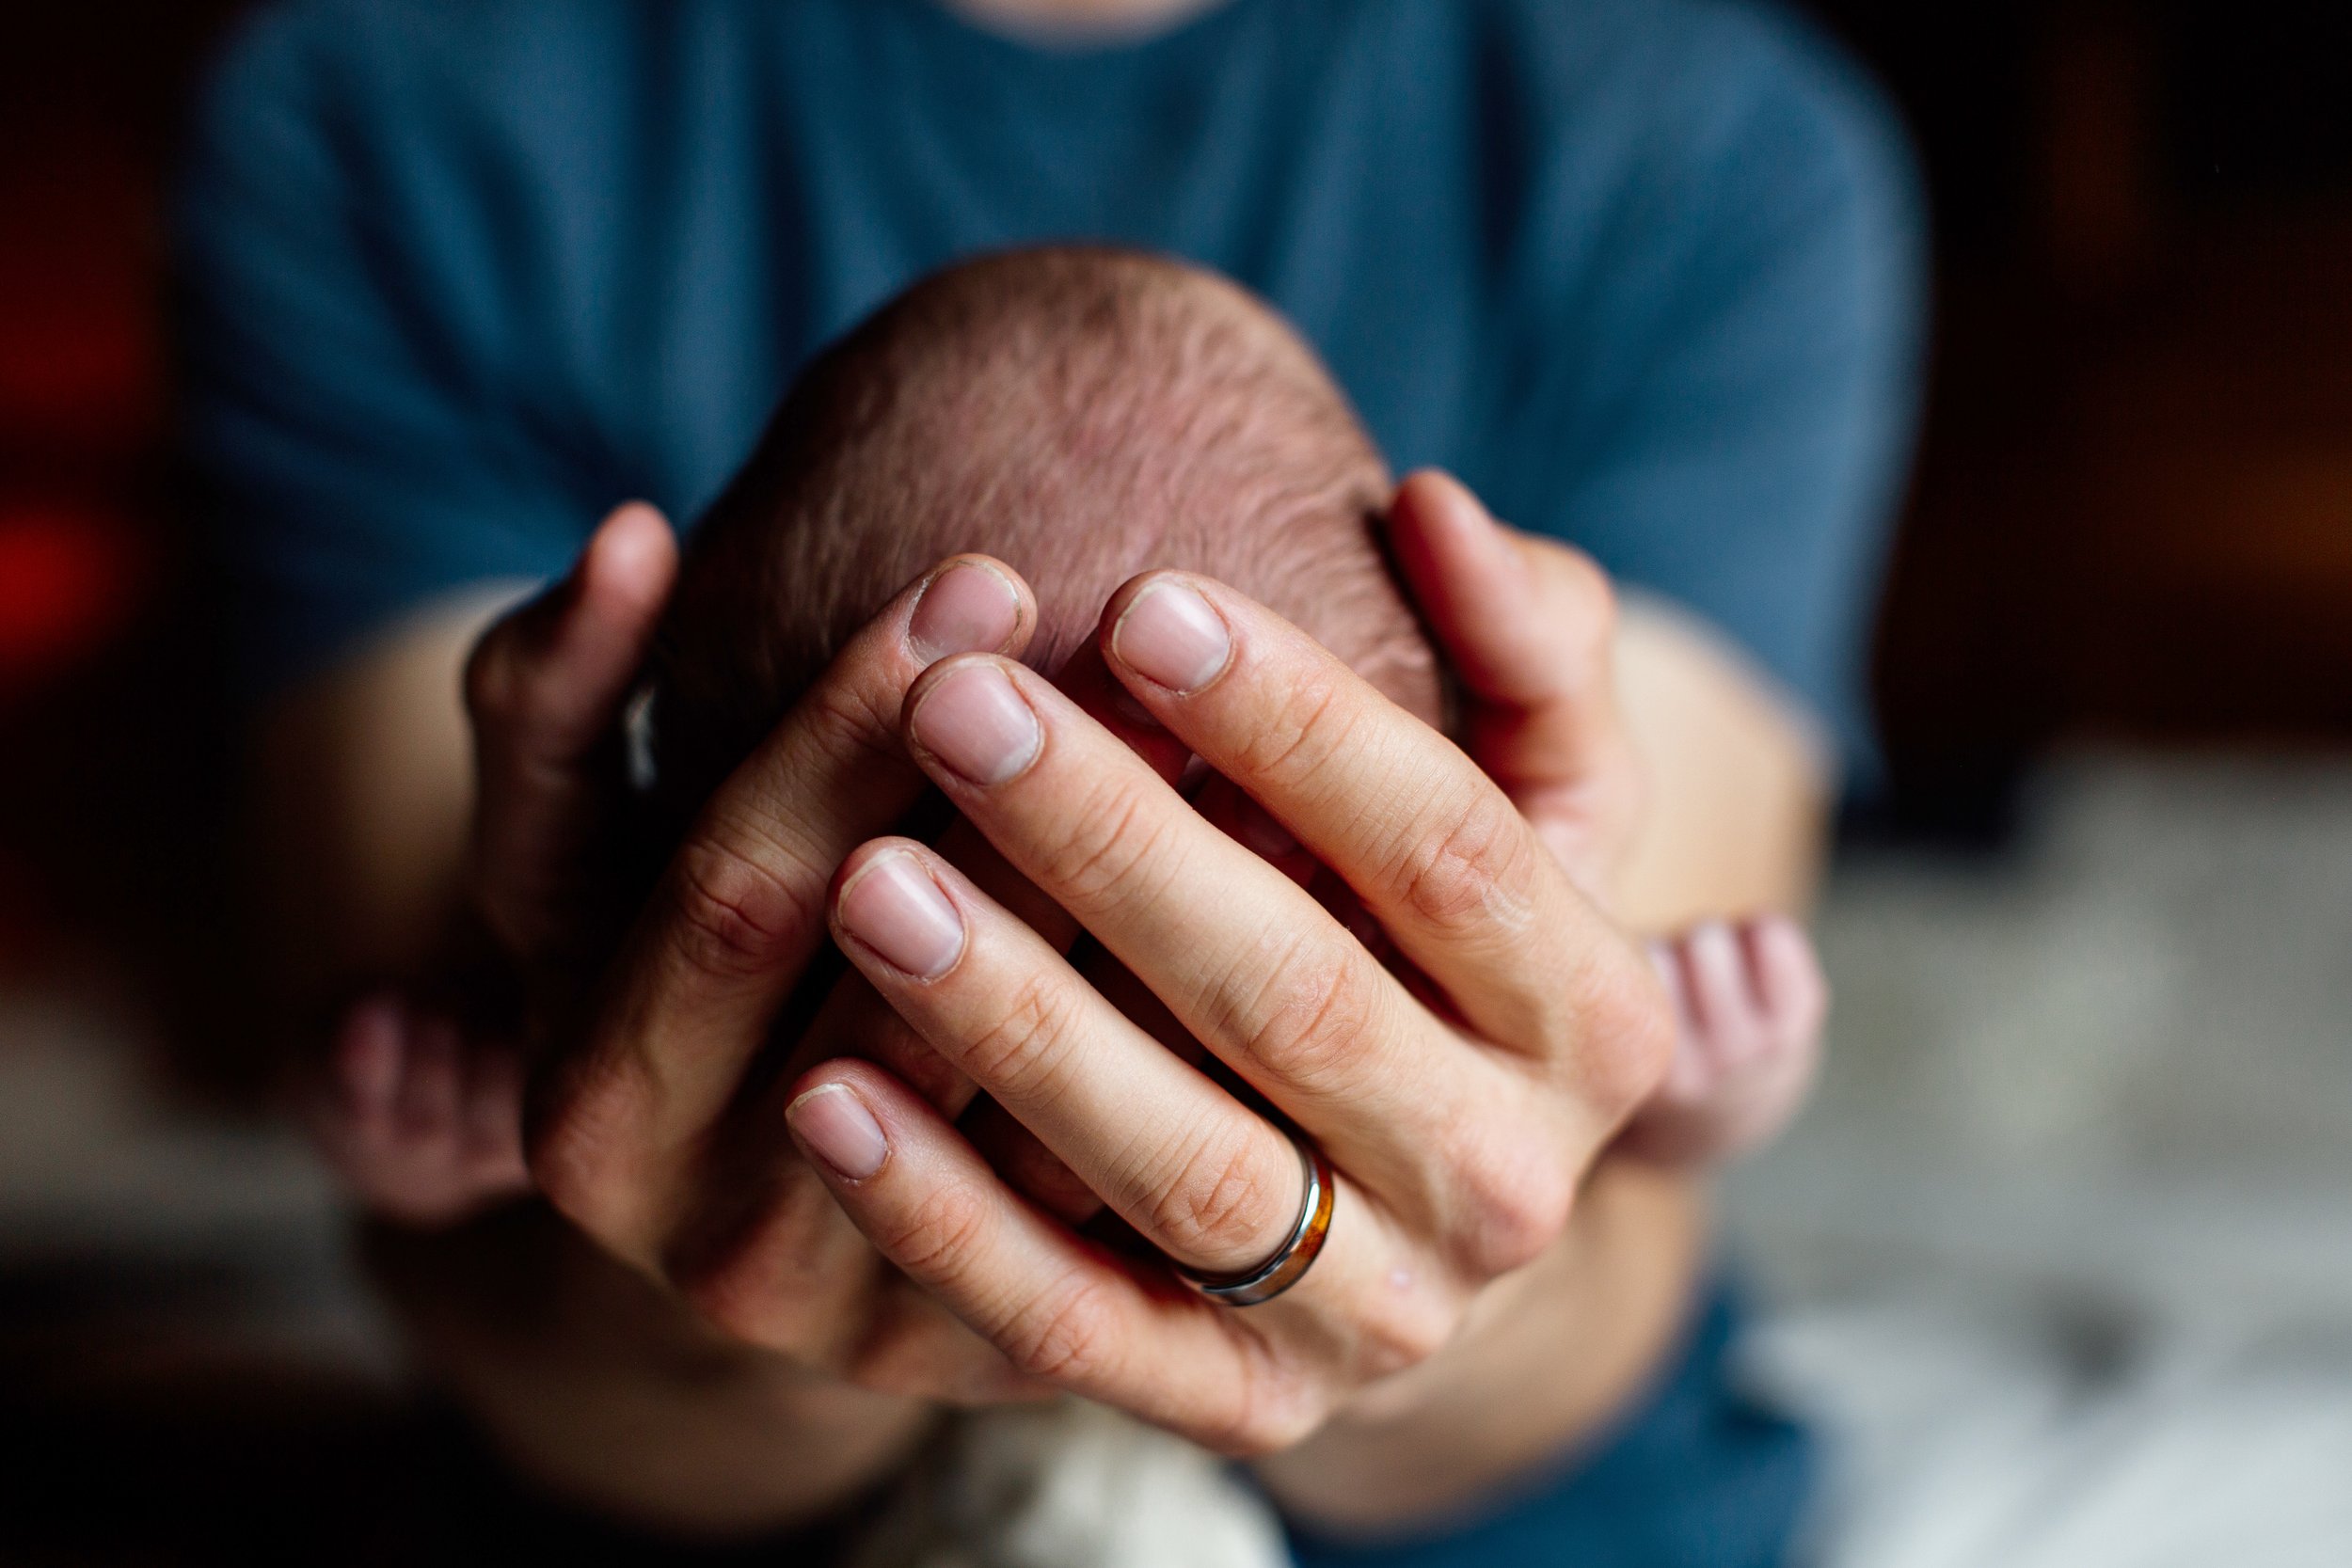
1047, 48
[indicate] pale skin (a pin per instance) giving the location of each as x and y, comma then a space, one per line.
1360, 1439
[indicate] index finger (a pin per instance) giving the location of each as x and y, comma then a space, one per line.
1437, 852
741, 910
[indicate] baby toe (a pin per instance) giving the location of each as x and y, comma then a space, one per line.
1724, 1005
431, 1095
1790, 986
369, 1058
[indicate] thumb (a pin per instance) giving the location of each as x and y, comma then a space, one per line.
1529, 627
544, 689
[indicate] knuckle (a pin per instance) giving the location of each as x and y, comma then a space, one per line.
1411, 1329
848, 718
1625, 1033
1025, 1047
735, 915
1315, 1022
938, 1241
1477, 870
1273, 1407
1220, 1204
1518, 1232
1067, 1337
1115, 834
1514, 1200
1312, 724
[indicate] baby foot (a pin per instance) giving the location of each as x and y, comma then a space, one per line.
1749, 1003
425, 1127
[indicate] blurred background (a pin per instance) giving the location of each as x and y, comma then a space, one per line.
2079, 1182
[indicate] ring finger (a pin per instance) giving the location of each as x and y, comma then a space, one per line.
1211, 1184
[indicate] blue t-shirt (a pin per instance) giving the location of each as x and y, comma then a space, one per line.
459, 275
1698, 1474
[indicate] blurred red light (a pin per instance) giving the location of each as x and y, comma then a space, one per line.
67, 584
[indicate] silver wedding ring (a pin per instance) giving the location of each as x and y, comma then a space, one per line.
1299, 1251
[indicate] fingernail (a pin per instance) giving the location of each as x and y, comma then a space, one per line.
979, 725
629, 539
893, 906
967, 609
1169, 634
839, 1130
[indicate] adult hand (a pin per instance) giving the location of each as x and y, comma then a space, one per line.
758, 1246
653, 1132
747, 1237
1460, 1124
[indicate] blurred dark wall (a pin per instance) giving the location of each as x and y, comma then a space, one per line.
2133, 509
113, 758
2133, 512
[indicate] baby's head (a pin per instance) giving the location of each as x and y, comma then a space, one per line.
1083, 415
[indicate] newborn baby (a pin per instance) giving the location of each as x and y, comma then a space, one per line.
1084, 416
